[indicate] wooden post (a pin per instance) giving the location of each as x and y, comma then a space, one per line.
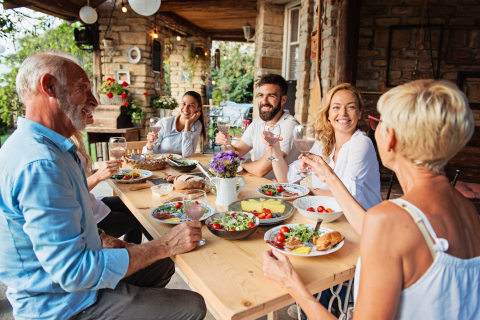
97, 61
347, 41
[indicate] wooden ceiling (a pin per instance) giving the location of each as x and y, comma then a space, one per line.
219, 19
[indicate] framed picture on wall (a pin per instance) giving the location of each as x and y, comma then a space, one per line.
464, 45
414, 52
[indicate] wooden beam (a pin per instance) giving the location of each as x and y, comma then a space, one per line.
13, 4
69, 8
347, 41
181, 25
190, 5
96, 3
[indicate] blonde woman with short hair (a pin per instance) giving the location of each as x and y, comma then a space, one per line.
420, 254
343, 143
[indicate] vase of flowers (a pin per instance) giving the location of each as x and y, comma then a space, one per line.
165, 104
114, 93
224, 166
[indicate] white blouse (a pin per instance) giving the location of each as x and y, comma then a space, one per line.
356, 167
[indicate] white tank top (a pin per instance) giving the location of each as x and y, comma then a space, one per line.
450, 289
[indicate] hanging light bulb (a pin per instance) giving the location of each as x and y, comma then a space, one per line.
124, 9
155, 34
224, 57
206, 53
213, 81
179, 38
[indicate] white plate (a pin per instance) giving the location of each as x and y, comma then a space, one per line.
145, 175
182, 216
175, 156
289, 187
271, 235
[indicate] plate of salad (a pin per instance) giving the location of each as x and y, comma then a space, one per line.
131, 175
297, 240
172, 212
284, 191
232, 225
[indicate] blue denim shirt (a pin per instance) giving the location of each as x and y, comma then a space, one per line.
51, 255
172, 141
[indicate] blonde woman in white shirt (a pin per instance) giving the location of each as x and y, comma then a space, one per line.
344, 145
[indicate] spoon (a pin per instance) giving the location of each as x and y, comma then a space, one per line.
319, 222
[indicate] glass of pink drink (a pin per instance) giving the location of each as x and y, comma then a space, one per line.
155, 127
223, 125
304, 139
117, 147
195, 205
272, 134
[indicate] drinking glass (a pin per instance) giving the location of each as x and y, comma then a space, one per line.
223, 125
304, 139
117, 147
195, 206
154, 121
272, 134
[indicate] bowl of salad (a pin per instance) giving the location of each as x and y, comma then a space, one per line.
183, 165
232, 225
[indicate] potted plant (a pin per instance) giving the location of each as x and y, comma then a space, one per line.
136, 112
164, 102
112, 92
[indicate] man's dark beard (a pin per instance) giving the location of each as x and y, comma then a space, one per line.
269, 115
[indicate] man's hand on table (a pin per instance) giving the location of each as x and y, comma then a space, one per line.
110, 242
183, 238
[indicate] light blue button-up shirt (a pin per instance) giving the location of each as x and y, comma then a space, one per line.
51, 255
172, 141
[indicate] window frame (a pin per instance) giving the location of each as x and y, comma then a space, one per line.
295, 5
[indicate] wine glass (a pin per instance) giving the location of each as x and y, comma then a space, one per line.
272, 133
154, 121
223, 125
117, 147
304, 139
195, 205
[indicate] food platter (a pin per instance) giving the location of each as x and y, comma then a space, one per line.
271, 235
288, 187
289, 209
182, 216
145, 175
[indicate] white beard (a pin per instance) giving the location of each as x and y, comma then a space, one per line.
73, 112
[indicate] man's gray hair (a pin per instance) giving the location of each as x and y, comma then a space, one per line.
36, 65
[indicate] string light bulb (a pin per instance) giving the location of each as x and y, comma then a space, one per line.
179, 38
206, 53
124, 9
224, 57
213, 81
155, 34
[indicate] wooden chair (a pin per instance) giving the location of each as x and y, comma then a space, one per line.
135, 147
394, 179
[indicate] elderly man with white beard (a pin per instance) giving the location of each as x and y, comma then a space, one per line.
54, 261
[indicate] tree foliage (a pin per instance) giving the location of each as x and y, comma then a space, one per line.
23, 21
236, 70
59, 37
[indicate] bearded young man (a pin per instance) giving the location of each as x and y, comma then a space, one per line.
55, 262
272, 95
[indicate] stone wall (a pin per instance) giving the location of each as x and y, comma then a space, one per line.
376, 18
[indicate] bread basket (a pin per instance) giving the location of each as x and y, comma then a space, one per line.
151, 162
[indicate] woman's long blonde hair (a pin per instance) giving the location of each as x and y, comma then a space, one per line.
77, 138
323, 127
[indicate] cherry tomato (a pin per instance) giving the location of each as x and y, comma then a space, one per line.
268, 216
280, 189
178, 205
251, 225
216, 225
320, 208
233, 229
195, 202
126, 178
329, 210
284, 229
311, 209
280, 237
261, 216
269, 193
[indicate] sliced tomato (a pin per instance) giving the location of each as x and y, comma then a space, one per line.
284, 229
261, 216
268, 216
311, 209
216, 225
269, 193
280, 188
280, 237
126, 178
320, 208
251, 225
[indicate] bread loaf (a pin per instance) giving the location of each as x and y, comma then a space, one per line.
328, 240
187, 182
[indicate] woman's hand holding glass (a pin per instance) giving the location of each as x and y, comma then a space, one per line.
108, 169
317, 165
152, 137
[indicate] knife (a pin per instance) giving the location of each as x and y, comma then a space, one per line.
319, 222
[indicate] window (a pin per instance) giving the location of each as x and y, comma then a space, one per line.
291, 44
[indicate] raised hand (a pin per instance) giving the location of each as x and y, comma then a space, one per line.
193, 118
108, 169
317, 165
222, 139
152, 137
266, 144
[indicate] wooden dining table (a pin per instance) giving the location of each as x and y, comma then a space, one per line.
228, 274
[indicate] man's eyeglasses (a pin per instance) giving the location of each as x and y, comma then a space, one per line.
374, 121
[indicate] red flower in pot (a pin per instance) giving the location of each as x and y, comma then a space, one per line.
109, 95
124, 96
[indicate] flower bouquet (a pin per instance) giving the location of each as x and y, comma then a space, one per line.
112, 92
164, 102
225, 164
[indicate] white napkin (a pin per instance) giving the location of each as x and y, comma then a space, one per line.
136, 157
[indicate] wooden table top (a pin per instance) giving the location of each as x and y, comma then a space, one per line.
229, 273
